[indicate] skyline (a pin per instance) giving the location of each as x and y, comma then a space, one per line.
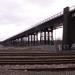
20, 15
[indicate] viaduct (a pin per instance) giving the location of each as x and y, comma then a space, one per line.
45, 29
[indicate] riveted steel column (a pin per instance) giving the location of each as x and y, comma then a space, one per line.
28, 40
44, 37
37, 39
52, 42
41, 37
48, 37
21, 41
34, 39
66, 29
13, 42
31, 40
18, 42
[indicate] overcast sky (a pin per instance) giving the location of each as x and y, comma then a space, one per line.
18, 15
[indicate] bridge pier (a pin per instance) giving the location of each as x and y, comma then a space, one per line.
31, 39
45, 37
48, 37
40, 37
66, 30
28, 41
34, 39
21, 41
52, 40
25, 42
17, 41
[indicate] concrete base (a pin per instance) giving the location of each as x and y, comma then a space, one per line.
31, 49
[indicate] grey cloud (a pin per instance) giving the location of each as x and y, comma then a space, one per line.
43, 3
13, 12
